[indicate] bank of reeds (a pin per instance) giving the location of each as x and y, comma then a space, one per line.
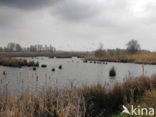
43, 54
88, 101
140, 58
13, 62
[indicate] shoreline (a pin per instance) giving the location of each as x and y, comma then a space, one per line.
139, 58
95, 60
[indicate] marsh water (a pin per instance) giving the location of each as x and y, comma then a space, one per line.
74, 73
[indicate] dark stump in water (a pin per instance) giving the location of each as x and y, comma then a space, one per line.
43, 65
34, 68
53, 69
60, 67
112, 72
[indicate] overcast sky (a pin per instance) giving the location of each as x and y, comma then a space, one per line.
78, 24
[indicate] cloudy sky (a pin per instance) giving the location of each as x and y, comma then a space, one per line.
78, 24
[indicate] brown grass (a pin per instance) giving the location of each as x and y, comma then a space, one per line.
44, 104
102, 101
47, 54
88, 101
141, 58
13, 62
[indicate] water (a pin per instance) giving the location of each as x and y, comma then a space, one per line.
73, 73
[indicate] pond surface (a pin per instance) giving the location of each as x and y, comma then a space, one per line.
74, 72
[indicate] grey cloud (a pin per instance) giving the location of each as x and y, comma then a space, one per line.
12, 11
105, 21
74, 10
27, 4
8, 17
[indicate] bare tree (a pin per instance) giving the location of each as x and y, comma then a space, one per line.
11, 46
18, 47
15, 47
1, 49
133, 46
33, 48
100, 51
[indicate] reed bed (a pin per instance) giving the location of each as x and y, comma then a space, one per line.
13, 62
140, 58
44, 104
47, 54
88, 101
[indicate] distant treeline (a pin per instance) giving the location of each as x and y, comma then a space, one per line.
15, 47
133, 47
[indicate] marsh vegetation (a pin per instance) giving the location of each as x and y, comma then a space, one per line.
94, 84
133, 54
87, 101
14, 62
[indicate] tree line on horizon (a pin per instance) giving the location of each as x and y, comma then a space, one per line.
15, 47
132, 47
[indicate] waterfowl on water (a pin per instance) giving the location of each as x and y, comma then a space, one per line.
43, 65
